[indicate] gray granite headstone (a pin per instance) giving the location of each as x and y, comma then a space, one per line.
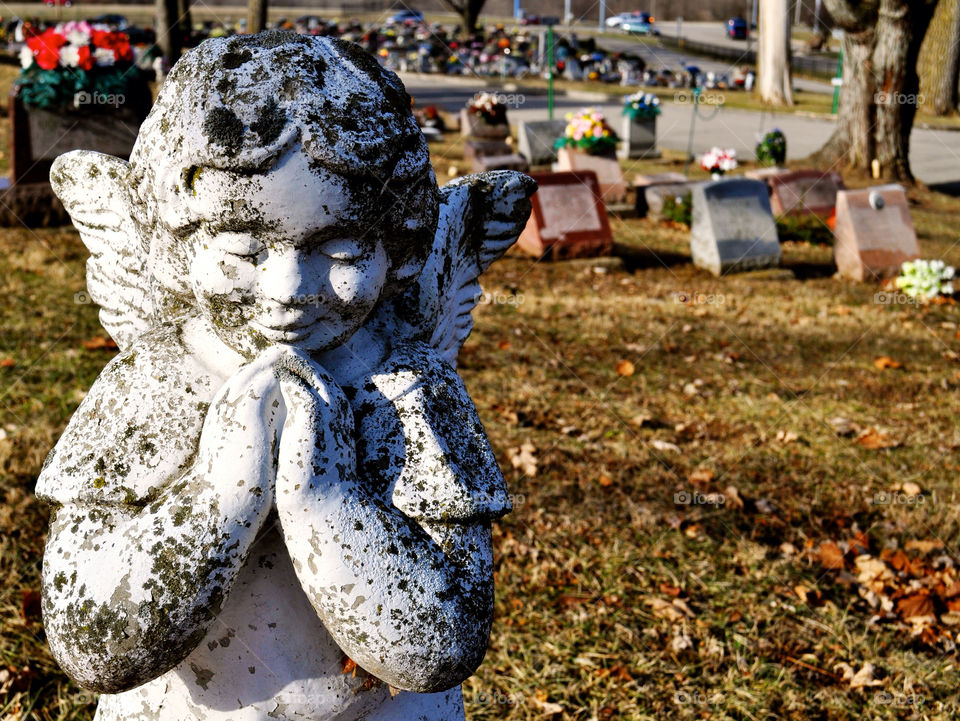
535, 140
733, 228
654, 195
638, 138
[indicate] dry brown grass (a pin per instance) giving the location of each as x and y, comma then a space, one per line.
615, 601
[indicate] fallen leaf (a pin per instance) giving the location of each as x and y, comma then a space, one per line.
524, 458
924, 546
786, 437
100, 342
605, 481
30, 606
7, 363
700, 476
831, 556
503, 345
665, 446
872, 570
625, 368
864, 678
670, 589
548, 707
843, 426
885, 361
874, 440
732, 496
914, 605
911, 488
348, 665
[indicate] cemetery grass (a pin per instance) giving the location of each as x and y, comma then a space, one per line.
618, 401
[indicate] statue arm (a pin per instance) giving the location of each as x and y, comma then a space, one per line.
130, 589
410, 600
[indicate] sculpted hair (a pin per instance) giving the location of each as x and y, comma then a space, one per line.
240, 103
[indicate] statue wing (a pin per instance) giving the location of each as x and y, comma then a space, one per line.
94, 188
481, 216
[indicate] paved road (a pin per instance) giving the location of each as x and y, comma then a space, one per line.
934, 154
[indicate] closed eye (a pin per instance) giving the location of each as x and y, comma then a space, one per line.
343, 250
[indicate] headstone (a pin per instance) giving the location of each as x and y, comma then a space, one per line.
536, 140
509, 161
638, 138
733, 228
804, 192
474, 126
232, 491
764, 173
613, 187
642, 182
873, 234
473, 149
568, 219
654, 195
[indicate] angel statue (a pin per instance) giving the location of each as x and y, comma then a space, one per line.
280, 477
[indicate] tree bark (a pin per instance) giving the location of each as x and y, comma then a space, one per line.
939, 61
901, 26
878, 100
169, 36
256, 16
185, 21
774, 79
468, 10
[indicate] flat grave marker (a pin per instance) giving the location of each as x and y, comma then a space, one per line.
568, 219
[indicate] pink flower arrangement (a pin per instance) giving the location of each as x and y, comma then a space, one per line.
719, 161
588, 130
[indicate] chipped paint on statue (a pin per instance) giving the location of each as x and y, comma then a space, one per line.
281, 470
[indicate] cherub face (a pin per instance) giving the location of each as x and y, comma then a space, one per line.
292, 256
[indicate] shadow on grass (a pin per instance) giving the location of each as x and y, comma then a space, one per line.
635, 258
809, 270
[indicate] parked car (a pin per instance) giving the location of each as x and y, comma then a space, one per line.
737, 28
615, 21
54, 3
405, 16
111, 21
639, 24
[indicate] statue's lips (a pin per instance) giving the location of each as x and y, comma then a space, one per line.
289, 331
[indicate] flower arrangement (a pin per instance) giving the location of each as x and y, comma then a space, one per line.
719, 161
76, 64
489, 107
772, 148
641, 106
587, 130
926, 279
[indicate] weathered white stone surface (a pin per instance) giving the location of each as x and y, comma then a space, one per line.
281, 470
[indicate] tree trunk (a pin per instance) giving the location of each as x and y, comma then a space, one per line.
256, 16
185, 22
901, 25
468, 10
774, 53
169, 37
851, 145
939, 61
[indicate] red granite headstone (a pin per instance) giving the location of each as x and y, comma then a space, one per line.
568, 220
874, 234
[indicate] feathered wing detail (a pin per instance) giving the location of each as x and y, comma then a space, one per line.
94, 189
481, 216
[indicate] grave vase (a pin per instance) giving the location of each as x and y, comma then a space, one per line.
638, 138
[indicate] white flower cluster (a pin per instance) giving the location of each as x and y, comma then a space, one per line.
926, 279
719, 160
642, 99
485, 102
